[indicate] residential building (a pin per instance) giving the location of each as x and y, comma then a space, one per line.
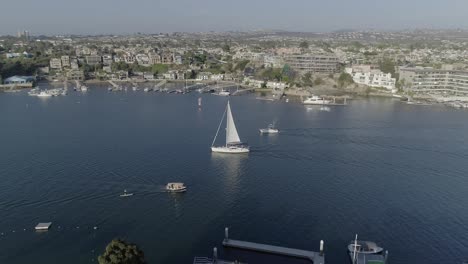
217, 77
366, 75
120, 75
56, 63
129, 59
75, 75
203, 76
107, 60
154, 58
178, 59
171, 75
65, 61
12, 55
273, 61
93, 59
142, 59
434, 81
19, 80
167, 58
148, 76
319, 63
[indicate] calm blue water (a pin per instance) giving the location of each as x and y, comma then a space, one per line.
393, 173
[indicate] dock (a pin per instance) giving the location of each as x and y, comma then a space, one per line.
43, 226
314, 257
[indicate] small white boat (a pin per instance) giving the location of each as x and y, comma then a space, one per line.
126, 194
269, 130
84, 88
315, 100
176, 187
44, 94
146, 90
34, 92
233, 142
134, 88
224, 93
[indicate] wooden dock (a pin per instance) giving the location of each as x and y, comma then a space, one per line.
315, 257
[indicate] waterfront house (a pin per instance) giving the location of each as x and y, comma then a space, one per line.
75, 75
20, 80
203, 76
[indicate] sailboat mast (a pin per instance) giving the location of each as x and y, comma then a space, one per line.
219, 126
355, 248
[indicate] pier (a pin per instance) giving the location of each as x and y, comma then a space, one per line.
314, 257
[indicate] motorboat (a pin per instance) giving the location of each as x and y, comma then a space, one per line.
366, 252
224, 93
126, 194
364, 247
315, 100
34, 92
43, 94
176, 187
233, 143
146, 90
269, 130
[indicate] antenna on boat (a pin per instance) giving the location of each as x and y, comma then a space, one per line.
355, 247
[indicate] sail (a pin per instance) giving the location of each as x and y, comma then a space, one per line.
231, 131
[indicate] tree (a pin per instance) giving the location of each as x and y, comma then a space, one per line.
226, 48
121, 252
307, 79
387, 66
304, 45
345, 79
318, 81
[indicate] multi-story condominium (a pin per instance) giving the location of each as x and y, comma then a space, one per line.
167, 58
107, 60
154, 58
371, 77
93, 59
434, 81
65, 61
142, 59
273, 61
129, 59
56, 63
319, 63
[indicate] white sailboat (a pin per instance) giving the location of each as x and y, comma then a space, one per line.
233, 142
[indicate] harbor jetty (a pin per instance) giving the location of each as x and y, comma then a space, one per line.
315, 257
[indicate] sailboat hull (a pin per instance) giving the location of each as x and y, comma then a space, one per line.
230, 150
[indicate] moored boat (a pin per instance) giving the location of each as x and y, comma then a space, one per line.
315, 100
366, 252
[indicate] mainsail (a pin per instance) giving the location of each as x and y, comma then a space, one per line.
231, 131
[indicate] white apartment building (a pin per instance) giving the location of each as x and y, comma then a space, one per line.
55, 63
65, 61
372, 77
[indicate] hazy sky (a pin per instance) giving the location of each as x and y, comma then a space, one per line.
152, 16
